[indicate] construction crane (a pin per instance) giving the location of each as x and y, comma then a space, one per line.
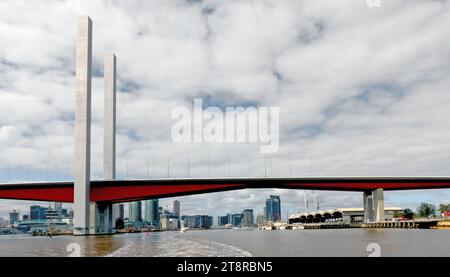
315, 200
305, 197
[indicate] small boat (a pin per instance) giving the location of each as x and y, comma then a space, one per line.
269, 228
183, 229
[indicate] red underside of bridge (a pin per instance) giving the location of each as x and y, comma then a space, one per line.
132, 190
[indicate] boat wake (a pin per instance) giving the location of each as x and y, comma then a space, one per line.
174, 246
182, 247
125, 251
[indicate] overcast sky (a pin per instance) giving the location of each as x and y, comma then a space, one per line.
361, 91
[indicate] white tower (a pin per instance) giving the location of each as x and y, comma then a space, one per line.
82, 126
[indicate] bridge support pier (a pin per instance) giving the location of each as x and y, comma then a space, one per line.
378, 204
373, 202
101, 215
368, 206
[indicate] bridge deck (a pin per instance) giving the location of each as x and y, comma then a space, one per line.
129, 190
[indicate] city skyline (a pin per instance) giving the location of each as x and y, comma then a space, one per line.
293, 204
146, 206
147, 211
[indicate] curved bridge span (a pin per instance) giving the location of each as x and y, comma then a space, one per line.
117, 191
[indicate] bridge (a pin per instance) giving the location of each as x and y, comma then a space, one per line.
118, 191
104, 193
93, 199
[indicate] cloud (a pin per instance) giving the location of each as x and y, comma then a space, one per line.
361, 91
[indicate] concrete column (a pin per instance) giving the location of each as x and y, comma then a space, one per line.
103, 213
82, 126
378, 197
109, 146
109, 141
368, 206
101, 219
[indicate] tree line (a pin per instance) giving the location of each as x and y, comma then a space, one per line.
426, 210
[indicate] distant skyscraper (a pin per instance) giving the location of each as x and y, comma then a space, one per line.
3, 223
58, 208
273, 208
118, 211
198, 221
236, 219
247, 221
174, 223
37, 212
176, 208
260, 219
13, 217
229, 218
151, 213
222, 220
135, 211
209, 222
165, 222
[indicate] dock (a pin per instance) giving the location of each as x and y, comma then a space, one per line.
406, 224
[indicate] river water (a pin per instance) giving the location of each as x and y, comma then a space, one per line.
238, 243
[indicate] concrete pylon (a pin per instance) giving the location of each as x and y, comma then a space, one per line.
378, 204
83, 126
102, 214
373, 202
368, 206
109, 145
101, 218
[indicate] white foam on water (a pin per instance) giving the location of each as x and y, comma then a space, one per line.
125, 251
182, 247
174, 246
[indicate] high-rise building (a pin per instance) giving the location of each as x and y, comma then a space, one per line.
58, 208
198, 221
209, 222
260, 219
273, 208
37, 212
151, 212
247, 220
64, 212
52, 215
165, 222
135, 211
176, 208
13, 217
229, 218
3, 223
222, 220
174, 223
118, 211
236, 219
121, 211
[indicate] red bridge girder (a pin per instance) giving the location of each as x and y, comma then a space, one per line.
130, 190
